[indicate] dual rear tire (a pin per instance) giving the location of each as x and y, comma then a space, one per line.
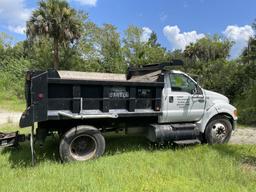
81, 143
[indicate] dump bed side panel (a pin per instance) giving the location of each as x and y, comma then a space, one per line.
49, 97
103, 97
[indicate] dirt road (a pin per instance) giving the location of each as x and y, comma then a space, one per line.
9, 117
244, 136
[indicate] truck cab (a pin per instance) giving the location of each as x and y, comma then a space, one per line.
185, 101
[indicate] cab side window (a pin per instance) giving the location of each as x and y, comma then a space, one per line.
182, 83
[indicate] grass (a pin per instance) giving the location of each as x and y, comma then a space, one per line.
131, 164
11, 103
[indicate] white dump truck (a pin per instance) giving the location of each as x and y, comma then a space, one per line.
162, 104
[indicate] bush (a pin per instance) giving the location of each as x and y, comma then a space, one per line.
12, 76
246, 104
247, 115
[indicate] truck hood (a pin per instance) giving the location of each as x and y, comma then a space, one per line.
214, 96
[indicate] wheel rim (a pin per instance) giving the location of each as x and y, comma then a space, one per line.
219, 132
83, 147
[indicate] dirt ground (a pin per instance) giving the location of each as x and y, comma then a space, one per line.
245, 135
9, 117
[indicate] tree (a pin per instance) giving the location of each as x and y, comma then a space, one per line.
57, 20
249, 58
39, 53
246, 101
133, 48
110, 49
202, 56
154, 53
208, 49
13, 65
5, 45
137, 52
100, 49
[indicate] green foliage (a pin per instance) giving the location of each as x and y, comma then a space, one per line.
39, 53
133, 47
12, 76
246, 101
12, 68
208, 49
249, 58
10, 102
57, 20
110, 49
136, 52
105, 47
100, 49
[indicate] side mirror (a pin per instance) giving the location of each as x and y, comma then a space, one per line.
195, 91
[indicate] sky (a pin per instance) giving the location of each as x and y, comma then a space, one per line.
176, 22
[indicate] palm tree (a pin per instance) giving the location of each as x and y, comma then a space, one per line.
57, 20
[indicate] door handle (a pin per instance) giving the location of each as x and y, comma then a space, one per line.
197, 96
200, 98
170, 99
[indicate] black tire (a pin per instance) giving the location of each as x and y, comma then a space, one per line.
81, 143
218, 130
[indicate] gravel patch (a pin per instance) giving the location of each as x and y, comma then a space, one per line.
244, 136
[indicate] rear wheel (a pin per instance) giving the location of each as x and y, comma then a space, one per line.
218, 131
81, 143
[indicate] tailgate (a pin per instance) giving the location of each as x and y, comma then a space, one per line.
36, 91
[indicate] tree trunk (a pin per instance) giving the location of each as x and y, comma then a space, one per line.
56, 54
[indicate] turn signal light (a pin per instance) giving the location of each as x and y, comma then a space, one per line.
235, 113
40, 96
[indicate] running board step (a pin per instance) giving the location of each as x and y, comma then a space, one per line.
187, 142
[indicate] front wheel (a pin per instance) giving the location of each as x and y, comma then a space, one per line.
81, 143
218, 131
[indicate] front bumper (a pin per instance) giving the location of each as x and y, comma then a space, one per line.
234, 125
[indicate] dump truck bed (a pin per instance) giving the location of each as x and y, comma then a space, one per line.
93, 76
55, 95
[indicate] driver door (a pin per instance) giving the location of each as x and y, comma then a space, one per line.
186, 101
